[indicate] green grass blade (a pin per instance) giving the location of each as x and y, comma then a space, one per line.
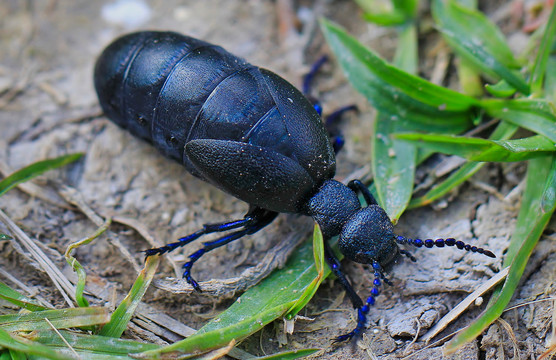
393, 165
405, 103
502, 131
457, 178
530, 225
123, 313
470, 80
59, 318
14, 297
539, 67
477, 149
258, 306
20, 344
34, 170
548, 198
390, 90
91, 346
464, 30
16, 355
289, 355
393, 162
390, 18
78, 268
322, 272
550, 80
398, 12
501, 89
406, 57
532, 114
409, 7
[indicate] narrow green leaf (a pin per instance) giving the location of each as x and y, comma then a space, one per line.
393, 165
395, 12
18, 343
533, 114
405, 103
91, 344
391, 18
502, 131
59, 318
530, 225
78, 268
409, 99
18, 299
477, 149
550, 80
409, 7
289, 355
393, 162
469, 78
501, 89
322, 272
455, 179
464, 30
17, 355
548, 198
123, 313
539, 67
406, 57
34, 170
258, 306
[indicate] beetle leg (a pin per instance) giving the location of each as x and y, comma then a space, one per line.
331, 123
363, 310
358, 186
207, 229
308, 78
259, 218
356, 301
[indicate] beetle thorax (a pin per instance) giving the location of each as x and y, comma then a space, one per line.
332, 206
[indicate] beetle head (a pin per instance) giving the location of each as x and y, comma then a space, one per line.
369, 236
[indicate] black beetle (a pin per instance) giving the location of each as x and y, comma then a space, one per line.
255, 136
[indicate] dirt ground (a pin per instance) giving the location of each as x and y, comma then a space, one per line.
48, 108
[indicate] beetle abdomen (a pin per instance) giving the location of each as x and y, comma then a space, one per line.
154, 84
171, 89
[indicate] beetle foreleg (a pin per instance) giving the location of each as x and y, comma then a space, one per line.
363, 310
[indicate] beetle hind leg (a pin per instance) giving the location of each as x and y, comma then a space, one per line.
254, 220
332, 120
207, 229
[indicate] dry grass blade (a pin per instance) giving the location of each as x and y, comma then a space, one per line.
462, 306
74, 197
60, 281
503, 323
552, 347
141, 230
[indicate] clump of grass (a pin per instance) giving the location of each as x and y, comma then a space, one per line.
416, 118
